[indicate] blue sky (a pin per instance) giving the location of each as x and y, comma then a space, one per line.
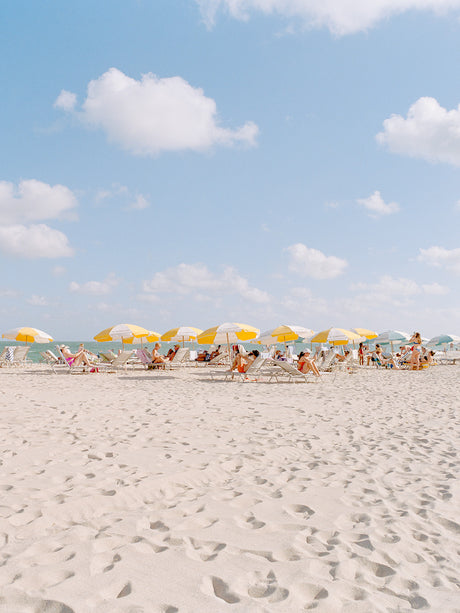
189, 163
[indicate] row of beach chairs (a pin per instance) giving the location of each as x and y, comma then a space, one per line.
15, 355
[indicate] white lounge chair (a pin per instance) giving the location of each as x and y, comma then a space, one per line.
286, 371
254, 372
20, 356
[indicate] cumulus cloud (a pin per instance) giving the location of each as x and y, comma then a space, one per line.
153, 114
198, 280
429, 131
139, 203
339, 16
313, 263
396, 291
35, 241
34, 200
95, 288
66, 101
441, 258
376, 207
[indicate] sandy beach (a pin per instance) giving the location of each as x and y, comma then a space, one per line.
147, 492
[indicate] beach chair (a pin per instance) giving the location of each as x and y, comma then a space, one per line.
181, 358
120, 362
7, 356
288, 372
223, 359
256, 370
20, 356
328, 361
52, 360
107, 357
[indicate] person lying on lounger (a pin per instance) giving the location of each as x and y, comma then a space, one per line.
157, 358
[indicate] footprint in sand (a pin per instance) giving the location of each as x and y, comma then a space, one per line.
215, 586
266, 586
249, 521
16, 601
300, 511
203, 550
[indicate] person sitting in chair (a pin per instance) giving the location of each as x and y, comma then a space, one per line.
75, 359
305, 363
243, 362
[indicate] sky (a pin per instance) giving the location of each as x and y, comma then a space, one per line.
201, 161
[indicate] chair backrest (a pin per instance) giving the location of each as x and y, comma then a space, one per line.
122, 358
181, 355
144, 356
290, 369
10, 353
255, 366
328, 359
20, 354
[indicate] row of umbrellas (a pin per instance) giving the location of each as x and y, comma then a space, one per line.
234, 333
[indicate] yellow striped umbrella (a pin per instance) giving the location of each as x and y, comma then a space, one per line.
335, 336
369, 334
181, 334
122, 332
28, 335
227, 333
152, 337
283, 334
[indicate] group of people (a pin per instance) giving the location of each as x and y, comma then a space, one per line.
413, 355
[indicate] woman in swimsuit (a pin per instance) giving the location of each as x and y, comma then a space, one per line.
305, 363
75, 359
416, 339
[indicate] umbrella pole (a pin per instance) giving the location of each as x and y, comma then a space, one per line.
228, 346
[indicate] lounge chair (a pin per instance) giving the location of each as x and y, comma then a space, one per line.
254, 372
7, 356
328, 361
120, 362
20, 356
48, 357
286, 371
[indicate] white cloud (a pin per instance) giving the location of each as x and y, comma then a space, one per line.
8, 293
394, 291
376, 206
430, 132
95, 288
66, 101
35, 241
139, 204
441, 258
340, 16
33, 201
313, 263
35, 300
435, 289
188, 279
153, 115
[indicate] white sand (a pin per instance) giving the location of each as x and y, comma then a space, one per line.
148, 493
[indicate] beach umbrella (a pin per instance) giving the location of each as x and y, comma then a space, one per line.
123, 332
336, 336
391, 336
229, 332
28, 335
443, 339
369, 334
282, 334
152, 337
181, 334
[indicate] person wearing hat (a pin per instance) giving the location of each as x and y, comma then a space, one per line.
75, 359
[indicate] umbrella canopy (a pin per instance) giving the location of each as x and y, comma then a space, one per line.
336, 336
391, 336
28, 335
282, 334
138, 340
227, 333
181, 334
443, 339
364, 332
122, 332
